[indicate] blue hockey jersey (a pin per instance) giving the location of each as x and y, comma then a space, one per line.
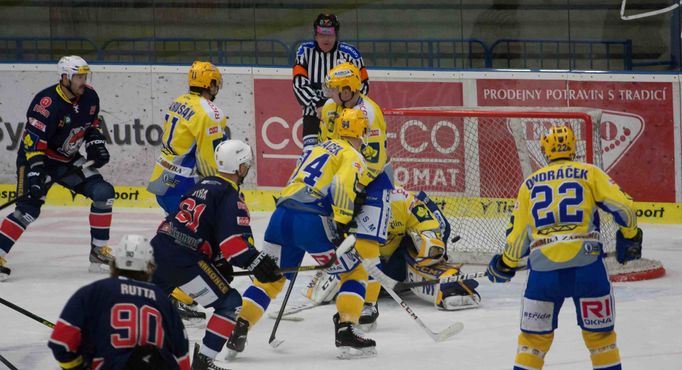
56, 125
103, 322
212, 219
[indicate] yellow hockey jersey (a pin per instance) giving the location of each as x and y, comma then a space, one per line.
555, 220
408, 214
375, 149
325, 181
192, 129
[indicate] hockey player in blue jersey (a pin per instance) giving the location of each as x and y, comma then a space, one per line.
123, 322
196, 246
59, 120
555, 223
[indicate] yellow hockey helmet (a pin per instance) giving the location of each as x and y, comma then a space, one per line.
202, 73
559, 142
351, 123
344, 74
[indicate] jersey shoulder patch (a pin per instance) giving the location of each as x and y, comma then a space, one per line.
212, 110
350, 50
305, 46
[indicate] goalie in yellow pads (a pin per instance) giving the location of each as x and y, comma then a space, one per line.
555, 223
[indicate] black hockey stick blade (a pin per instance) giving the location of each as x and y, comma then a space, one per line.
7, 363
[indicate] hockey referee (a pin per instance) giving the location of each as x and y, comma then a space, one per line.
313, 60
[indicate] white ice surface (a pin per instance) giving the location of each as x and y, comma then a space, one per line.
50, 262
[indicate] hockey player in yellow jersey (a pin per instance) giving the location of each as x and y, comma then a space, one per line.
342, 86
193, 127
311, 214
555, 223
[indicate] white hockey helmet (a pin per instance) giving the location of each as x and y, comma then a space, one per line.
72, 65
133, 253
230, 154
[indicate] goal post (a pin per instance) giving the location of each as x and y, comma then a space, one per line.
471, 161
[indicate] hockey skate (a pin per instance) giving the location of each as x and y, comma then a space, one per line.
351, 341
4, 270
369, 316
188, 313
203, 362
100, 258
237, 340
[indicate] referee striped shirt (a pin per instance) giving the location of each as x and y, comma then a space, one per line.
312, 65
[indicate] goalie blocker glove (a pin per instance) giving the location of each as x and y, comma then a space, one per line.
628, 249
498, 271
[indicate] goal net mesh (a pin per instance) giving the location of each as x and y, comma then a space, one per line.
471, 161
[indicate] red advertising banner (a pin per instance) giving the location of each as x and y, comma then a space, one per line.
637, 130
278, 124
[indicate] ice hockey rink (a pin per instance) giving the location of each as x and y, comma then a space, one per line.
50, 262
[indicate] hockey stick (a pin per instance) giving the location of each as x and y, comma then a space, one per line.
436, 336
27, 313
297, 269
7, 363
462, 277
68, 173
277, 342
342, 249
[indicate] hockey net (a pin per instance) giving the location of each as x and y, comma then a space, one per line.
471, 161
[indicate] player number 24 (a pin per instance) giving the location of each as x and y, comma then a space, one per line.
569, 196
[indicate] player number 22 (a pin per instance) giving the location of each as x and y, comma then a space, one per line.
569, 196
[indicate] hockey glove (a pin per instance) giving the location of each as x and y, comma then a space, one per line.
95, 147
264, 268
498, 271
225, 269
628, 249
35, 181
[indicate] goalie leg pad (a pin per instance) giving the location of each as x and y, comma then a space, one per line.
603, 350
322, 288
531, 350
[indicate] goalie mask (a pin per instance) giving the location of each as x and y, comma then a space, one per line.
559, 143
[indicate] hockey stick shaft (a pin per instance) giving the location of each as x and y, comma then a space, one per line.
461, 277
68, 173
437, 337
27, 313
343, 248
290, 288
7, 363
